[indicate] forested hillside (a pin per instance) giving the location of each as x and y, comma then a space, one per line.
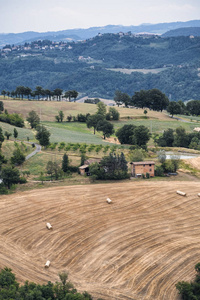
187, 31
89, 66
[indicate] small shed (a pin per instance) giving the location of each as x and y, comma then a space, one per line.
84, 169
142, 167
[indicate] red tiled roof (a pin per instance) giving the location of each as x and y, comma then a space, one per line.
143, 163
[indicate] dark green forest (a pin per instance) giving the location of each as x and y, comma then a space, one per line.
83, 66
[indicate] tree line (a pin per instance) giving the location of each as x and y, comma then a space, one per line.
178, 138
192, 107
156, 100
62, 290
153, 99
39, 92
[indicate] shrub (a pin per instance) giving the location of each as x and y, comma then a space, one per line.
3, 189
73, 169
159, 171
22, 180
67, 147
76, 146
91, 147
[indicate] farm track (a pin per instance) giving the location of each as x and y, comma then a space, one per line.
137, 248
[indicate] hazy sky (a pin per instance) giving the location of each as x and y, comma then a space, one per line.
52, 15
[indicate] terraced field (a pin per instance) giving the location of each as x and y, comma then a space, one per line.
137, 248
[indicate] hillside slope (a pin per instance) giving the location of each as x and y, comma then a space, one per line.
186, 31
139, 247
84, 66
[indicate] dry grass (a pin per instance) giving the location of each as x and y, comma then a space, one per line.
136, 248
194, 163
48, 109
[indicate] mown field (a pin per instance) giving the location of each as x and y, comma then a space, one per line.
137, 248
48, 109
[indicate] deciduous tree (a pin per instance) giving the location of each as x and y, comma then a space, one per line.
42, 135
93, 120
101, 109
10, 176
71, 94
106, 127
7, 134
33, 119
174, 108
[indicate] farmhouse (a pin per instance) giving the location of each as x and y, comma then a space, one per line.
142, 167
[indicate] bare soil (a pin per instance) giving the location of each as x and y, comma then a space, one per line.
138, 247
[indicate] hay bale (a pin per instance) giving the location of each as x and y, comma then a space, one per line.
181, 193
49, 226
109, 200
47, 265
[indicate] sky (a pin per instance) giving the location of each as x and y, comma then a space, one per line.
53, 15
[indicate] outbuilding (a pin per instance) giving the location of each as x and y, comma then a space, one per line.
84, 169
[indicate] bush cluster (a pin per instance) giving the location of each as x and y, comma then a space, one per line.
12, 119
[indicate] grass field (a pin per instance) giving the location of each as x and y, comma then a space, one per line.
138, 247
9, 146
190, 118
23, 133
73, 132
157, 125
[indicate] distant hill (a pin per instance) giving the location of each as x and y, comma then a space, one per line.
82, 34
186, 31
95, 67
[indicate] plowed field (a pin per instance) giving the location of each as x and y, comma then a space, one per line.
138, 247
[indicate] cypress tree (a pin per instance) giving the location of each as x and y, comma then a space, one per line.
65, 163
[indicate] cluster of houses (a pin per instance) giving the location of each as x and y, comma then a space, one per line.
46, 45
35, 46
